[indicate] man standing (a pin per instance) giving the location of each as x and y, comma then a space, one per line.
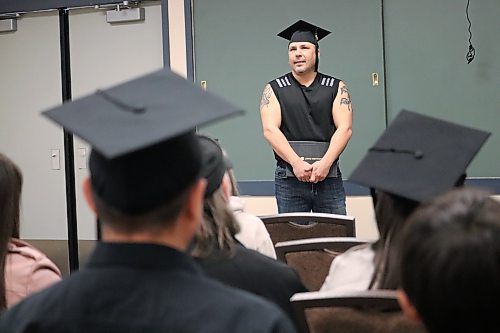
145, 187
307, 119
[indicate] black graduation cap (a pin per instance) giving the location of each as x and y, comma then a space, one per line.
213, 163
144, 151
419, 157
302, 31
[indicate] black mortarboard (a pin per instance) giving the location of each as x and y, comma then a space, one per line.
419, 157
213, 165
142, 133
302, 31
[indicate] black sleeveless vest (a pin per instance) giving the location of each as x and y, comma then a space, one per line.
306, 112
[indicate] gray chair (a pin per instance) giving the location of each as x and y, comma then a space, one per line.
312, 257
286, 226
370, 311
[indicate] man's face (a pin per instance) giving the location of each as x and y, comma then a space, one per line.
302, 57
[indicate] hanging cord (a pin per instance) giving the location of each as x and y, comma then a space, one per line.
472, 51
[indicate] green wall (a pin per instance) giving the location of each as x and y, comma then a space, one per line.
426, 44
236, 52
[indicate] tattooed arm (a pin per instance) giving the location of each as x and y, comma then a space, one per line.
270, 113
342, 117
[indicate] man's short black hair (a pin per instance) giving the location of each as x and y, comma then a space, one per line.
157, 218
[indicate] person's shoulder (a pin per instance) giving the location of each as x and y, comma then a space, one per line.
356, 254
236, 204
328, 80
254, 260
42, 306
17, 246
26, 251
282, 81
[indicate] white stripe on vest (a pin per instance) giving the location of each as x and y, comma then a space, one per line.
283, 82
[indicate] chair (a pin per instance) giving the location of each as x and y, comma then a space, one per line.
370, 311
312, 257
284, 227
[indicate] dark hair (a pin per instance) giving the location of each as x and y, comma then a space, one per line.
218, 229
159, 217
11, 181
391, 212
450, 262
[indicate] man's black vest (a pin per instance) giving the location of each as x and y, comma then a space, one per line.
306, 112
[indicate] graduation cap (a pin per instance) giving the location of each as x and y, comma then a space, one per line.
213, 163
302, 31
144, 151
419, 157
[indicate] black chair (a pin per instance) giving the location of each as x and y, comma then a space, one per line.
370, 311
286, 226
312, 257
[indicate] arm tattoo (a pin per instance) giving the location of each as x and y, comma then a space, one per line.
266, 95
346, 101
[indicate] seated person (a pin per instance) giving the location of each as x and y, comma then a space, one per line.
221, 255
145, 187
253, 233
24, 269
403, 169
360, 267
450, 263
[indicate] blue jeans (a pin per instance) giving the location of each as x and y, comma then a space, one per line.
292, 195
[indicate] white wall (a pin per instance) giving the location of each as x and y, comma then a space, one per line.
102, 55
31, 82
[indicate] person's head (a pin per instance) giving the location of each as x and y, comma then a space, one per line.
303, 47
219, 226
11, 181
146, 191
145, 183
303, 57
414, 160
450, 263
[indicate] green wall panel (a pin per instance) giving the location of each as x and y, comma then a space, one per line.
237, 53
426, 44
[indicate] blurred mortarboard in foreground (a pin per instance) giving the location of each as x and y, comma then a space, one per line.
213, 163
139, 113
144, 151
419, 157
302, 31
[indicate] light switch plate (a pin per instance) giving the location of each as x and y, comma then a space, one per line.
82, 158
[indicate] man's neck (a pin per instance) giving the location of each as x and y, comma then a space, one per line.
158, 237
305, 79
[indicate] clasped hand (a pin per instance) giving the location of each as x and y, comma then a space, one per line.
311, 173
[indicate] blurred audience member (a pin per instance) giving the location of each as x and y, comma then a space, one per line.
450, 263
25, 269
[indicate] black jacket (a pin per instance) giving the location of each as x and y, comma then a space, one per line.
142, 288
251, 271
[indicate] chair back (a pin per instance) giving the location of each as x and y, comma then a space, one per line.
287, 226
370, 311
312, 257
